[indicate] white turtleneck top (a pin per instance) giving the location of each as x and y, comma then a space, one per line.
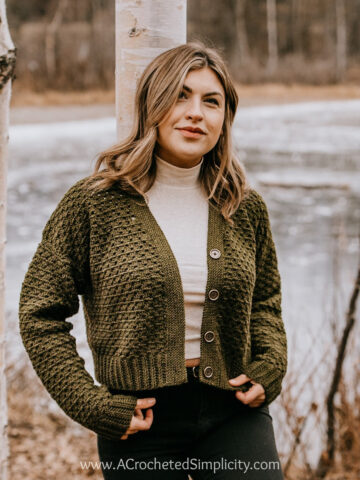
177, 189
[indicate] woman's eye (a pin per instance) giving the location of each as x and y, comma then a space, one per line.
211, 100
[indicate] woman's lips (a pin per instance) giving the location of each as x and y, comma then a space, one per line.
189, 134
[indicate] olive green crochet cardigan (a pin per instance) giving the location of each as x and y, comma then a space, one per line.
108, 248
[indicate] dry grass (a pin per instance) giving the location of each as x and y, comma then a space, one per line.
44, 445
268, 93
275, 93
25, 98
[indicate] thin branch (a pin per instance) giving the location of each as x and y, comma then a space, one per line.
327, 458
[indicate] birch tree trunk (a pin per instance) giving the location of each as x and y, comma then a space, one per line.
7, 65
341, 52
273, 54
143, 31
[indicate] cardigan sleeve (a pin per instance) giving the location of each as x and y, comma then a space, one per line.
268, 336
56, 276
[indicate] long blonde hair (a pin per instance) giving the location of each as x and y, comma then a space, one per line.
131, 163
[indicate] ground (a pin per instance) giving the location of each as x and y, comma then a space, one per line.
30, 107
46, 445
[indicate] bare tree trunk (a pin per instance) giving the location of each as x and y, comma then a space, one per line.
97, 39
296, 27
273, 54
7, 65
50, 38
341, 51
329, 29
238, 8
143, 31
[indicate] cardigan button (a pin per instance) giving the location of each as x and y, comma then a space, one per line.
209, 336
214, 294
208, 372
215, 253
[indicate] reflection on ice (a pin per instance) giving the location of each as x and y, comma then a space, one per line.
320, 127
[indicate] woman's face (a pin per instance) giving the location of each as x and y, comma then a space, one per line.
201, 105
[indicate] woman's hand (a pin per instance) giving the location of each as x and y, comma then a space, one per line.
138, 422
254, 397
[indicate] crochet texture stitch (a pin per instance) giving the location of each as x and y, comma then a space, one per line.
108, 248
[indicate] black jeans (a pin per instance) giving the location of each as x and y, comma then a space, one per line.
197, 430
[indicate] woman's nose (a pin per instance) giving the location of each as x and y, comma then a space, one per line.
194, 110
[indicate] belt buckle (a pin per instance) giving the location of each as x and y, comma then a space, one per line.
194, 372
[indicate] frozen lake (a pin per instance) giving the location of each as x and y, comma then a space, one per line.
284, 149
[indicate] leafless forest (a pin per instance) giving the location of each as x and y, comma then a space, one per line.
71, 45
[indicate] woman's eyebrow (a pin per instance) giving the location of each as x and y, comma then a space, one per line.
188, 89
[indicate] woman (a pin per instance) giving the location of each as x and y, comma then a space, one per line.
173, 256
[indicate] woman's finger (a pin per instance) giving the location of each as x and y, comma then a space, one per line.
145, 423
141, 423
139, 413
255, 393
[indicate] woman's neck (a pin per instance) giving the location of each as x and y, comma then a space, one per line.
169, 174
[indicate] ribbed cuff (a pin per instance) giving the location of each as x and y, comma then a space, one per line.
114, 416
269, 378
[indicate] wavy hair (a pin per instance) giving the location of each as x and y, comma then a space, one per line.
132, 164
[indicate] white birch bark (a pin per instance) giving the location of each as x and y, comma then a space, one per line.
7, 63
144, 29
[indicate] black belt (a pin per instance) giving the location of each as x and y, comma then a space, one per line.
193, 371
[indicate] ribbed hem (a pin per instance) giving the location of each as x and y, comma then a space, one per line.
114, 416
152, 372
138, 373
268, 377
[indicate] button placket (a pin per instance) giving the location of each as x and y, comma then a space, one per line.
213, 295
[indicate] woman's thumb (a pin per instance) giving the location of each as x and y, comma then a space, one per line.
145, 402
